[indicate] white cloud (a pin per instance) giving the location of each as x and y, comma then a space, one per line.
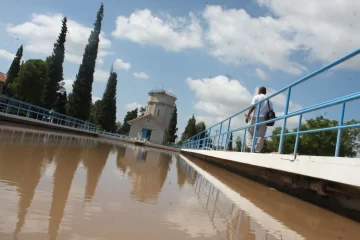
101, 75
73, 58
141, 75
326, 31
6, 54
42, 31
120, 64
320, 32
172, 34
94, 99
220, 97
68, 85
235, 37
132, 106
260, 73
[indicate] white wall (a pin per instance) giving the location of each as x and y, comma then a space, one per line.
157, 134
336, 169
163, 103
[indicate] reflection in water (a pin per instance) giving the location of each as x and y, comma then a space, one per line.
67, 161
148, 177
252, 211
23, 170
61, 186
94, 161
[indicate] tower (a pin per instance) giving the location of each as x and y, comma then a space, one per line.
161, 105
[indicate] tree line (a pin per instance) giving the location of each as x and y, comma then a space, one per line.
315, 144
39, 82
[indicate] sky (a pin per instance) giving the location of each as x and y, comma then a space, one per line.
212, 55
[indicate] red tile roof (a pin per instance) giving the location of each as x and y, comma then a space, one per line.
149, 116
3, 77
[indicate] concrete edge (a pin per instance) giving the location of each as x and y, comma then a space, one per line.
146, 144
270, 223
339, 170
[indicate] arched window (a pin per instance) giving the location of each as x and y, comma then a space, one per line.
158, 112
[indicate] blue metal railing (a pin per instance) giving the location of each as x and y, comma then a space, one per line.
205, 139
16, 107
113, 134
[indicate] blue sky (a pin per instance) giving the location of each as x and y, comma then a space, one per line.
190, 47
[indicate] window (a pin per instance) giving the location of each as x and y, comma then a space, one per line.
158, 112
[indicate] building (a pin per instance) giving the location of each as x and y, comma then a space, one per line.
155, 122
3, 78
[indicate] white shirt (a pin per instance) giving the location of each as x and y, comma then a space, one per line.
263, 106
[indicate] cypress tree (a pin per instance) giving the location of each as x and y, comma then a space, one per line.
172, 127
79, 105
13, 70
55, 69
60, 102
108, 104
190, 129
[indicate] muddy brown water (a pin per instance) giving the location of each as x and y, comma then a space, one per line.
60, 186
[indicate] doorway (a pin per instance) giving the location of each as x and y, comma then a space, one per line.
146, 134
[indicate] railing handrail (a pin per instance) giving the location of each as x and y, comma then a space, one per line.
29, 108
197, 138
303, 79
41, 108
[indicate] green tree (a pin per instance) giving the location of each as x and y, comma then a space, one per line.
108, 104
238, 144
230, 144
172, 126
55, 69
29, 84
142, 111
190, 129
323, 143
319, 143
60, 102
273, 144
96, 112
200, 128
80, 99
13, 71
130, 115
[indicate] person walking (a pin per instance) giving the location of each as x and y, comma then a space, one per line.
261, 129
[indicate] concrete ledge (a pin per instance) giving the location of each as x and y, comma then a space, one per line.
338, 170
147, 144
33, 122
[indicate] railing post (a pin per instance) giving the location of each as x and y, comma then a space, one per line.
227, 135
284, 123
243, 142
28, 111
209, 139
255, 128
341, 122
198, 141
219, 136
297, 135
7, 106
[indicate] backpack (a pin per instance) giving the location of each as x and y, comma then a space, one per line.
270, 115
